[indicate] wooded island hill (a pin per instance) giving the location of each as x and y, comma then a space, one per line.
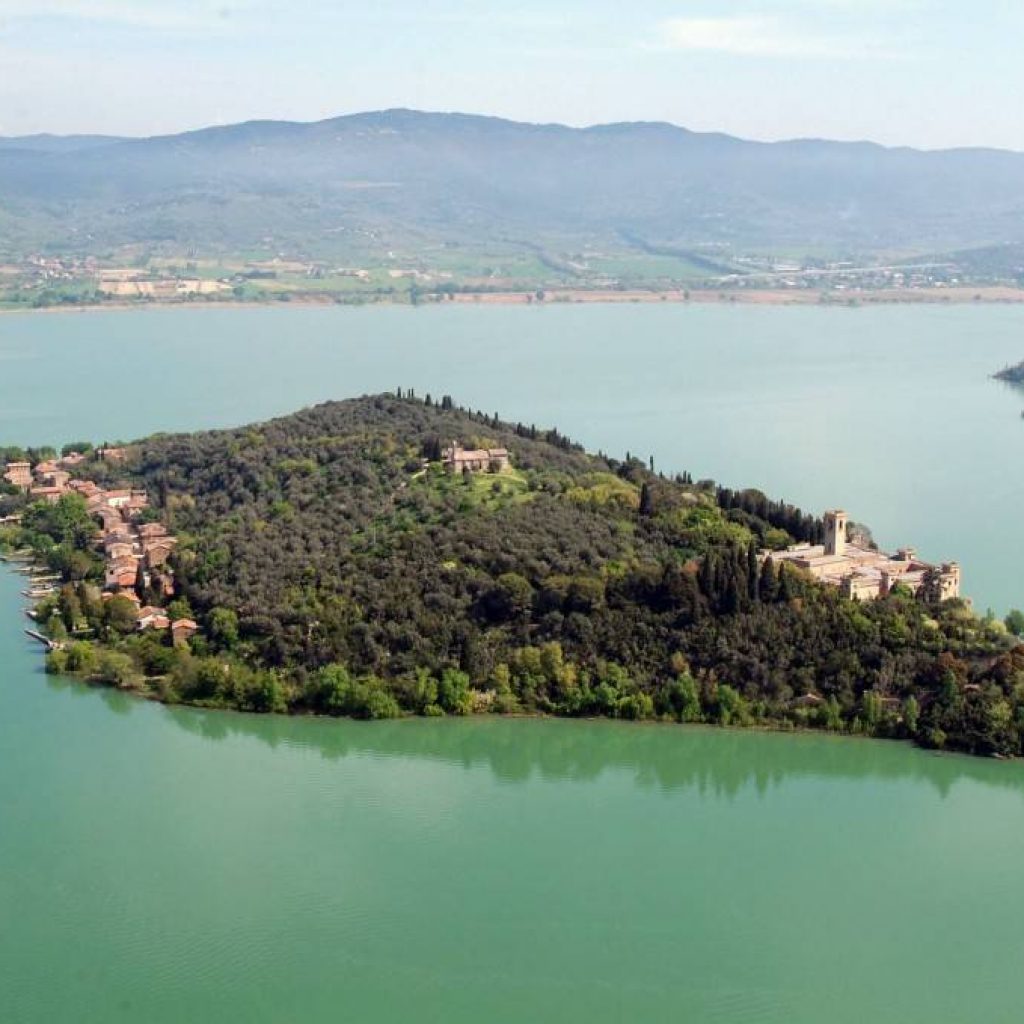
394, 555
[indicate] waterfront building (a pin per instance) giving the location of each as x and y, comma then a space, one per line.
862, 572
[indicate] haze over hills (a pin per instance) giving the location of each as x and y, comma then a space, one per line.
402, 179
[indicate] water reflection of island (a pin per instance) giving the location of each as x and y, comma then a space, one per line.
665, 757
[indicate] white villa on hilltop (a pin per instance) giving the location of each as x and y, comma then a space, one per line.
864, 574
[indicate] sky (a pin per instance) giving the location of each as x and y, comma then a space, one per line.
927, 73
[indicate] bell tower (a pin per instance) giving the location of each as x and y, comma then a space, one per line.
835, 532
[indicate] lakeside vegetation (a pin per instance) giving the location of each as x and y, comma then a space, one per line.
335, 568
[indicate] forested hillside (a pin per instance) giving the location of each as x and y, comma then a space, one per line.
358, 186
333, 566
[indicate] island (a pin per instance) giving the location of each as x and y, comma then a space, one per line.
1011, 374
400, 555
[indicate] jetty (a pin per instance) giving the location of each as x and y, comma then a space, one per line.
50, 645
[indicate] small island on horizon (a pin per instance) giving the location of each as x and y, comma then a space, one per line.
1011, 374
395, 555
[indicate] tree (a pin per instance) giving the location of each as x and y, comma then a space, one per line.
120, 614
79, 447
681, 699
223, 628
1015, 622
511, 597
911, 714
453, 692
646, 500
768, 584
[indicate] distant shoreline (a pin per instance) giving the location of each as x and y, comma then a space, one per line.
963, 295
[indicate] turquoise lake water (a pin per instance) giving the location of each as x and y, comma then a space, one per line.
888, 412
165, 865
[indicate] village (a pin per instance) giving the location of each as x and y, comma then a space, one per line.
135, 549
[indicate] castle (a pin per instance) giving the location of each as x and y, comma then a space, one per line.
862, 573
457, 459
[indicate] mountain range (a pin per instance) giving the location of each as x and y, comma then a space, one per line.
402, 178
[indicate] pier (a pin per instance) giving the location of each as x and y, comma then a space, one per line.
49, 644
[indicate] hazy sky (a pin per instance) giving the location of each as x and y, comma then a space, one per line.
919, 72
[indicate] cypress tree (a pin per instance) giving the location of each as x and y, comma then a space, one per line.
768, 584
752, 571
646, 500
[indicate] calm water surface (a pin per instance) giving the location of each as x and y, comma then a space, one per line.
887, 411
168, 866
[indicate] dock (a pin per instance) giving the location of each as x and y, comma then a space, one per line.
49, 644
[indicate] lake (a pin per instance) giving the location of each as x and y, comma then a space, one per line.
163, 865
887, 411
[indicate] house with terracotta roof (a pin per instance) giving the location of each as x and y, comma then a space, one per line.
139, 500
182, 630
158, 550
121, 573
152, 618
48, 494
87, 488
121, 579
56, 478
117, 499
119, 548
457, 459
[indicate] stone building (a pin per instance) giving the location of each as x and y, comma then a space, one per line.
19, 474
863, 573
457, 459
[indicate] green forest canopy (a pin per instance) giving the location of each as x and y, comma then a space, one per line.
334, 567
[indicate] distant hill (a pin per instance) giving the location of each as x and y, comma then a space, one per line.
56, 143
371, 181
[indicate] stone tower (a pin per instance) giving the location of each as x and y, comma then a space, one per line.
949, 581
835, 532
